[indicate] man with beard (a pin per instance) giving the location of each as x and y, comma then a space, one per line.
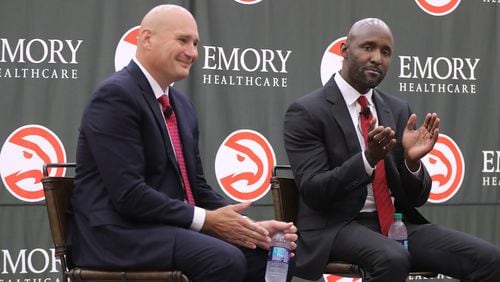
355, 153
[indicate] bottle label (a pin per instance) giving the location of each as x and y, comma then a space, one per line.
279, 254
404, 243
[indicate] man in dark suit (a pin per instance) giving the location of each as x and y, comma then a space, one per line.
336, 167
140, 203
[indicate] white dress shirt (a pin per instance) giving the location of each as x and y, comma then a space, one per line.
351, 96
199, 213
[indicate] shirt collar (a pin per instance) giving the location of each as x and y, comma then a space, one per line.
350, 94
157, 90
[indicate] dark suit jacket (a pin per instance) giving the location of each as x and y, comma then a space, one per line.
128, 197
325, 155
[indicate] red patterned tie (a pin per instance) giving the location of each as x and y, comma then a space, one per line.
385, 208
173, 131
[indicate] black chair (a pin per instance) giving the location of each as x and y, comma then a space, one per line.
285, 196
58, 190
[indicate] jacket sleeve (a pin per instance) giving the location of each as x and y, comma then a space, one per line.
324, 173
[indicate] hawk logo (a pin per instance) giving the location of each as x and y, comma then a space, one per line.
334, 278
248, 2
125, 50
332, 60
22, 157
438, 7
243, 165
446, 166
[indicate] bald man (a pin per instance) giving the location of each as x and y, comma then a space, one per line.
344, 141
141, 200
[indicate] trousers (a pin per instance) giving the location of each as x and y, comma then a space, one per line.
205, 258
431, 247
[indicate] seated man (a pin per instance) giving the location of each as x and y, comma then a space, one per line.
141, 200
355, 154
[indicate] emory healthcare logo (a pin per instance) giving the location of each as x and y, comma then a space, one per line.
243, 165
438, 7
35, 263
125, 50
446, 166
257, 67
332, 60
22, 157
39, 58
438, 75
491, 168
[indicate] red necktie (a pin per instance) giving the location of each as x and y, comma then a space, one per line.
173, 131
385, 208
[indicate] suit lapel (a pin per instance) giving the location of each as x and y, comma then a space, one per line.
152, 103
341, 115
384, 113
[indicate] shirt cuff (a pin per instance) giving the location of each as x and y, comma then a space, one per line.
198, 219
368, 168
416, 173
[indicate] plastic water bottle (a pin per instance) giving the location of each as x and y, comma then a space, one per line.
397, 230
278, 259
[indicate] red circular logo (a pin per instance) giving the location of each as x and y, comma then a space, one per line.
446, 166
438, 7
334, 278
332, 60
248, 2
125, 50
22, 157
243, 165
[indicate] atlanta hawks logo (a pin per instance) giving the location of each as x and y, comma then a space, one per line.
446, 166
125, 50
334, 278
438, 7
248, 2
332, 60
243, 165
22, 157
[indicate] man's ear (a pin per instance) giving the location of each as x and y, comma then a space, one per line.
145, 37
343, 49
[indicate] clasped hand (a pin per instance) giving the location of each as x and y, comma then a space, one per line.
228, 224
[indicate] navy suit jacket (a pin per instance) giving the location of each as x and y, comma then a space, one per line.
128, 197
325, 155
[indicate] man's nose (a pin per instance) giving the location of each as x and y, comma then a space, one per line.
192, 52
377, 57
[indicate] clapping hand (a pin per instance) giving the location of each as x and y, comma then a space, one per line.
418, 142
381, 140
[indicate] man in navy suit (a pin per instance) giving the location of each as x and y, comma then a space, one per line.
130, 201
335, 168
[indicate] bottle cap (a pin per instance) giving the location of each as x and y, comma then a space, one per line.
398, 216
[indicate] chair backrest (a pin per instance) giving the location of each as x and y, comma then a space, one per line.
58, 190
285, 194
57, 197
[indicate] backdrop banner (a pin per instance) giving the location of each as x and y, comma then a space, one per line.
255, 58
